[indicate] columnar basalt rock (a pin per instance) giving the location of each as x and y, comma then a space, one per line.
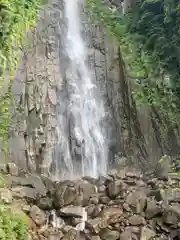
41, 95
40, 90
32, 134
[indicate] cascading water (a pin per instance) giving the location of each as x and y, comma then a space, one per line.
84, 105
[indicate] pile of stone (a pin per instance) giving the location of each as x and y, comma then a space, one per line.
124, 205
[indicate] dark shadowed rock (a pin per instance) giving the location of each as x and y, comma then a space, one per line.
96, 211
49, 185
45, 203
171, 214
12, 169
155, 193
114, 188
152, 209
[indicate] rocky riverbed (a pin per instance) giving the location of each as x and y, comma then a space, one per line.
124, 205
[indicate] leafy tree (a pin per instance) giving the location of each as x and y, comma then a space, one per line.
149, 37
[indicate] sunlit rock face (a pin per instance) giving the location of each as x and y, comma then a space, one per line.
40, 75
42, 135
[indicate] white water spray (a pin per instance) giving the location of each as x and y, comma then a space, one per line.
85, 106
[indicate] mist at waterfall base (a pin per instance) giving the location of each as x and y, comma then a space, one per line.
83, 111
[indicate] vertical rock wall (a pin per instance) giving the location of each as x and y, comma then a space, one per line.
35, 86
40, 95
40, 84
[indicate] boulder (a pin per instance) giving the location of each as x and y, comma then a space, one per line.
49, 185
65, 194
55, 236
108, 234
37, 183
95, 238
45, 203
94, 225
170, 195
126, 235
147, 234
37, 215
171, 214
137, 200
96, 211
152, 209
113, 188
71, 211
24, 192
137, 220
31, 181
71, 235
104, 199
88, 190
110, 212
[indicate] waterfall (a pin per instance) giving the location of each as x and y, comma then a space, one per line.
84, 107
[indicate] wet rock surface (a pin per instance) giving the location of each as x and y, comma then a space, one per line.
119, 207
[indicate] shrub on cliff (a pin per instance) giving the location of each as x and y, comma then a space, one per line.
149, 39
13, 225
16, 18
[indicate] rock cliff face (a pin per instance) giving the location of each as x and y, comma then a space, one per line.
41, 98
40, 90
38, 79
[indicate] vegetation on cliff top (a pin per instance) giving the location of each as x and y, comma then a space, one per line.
149, 38
16, 18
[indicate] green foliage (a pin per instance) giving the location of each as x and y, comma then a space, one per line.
16, 18
13, 225
149, 37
